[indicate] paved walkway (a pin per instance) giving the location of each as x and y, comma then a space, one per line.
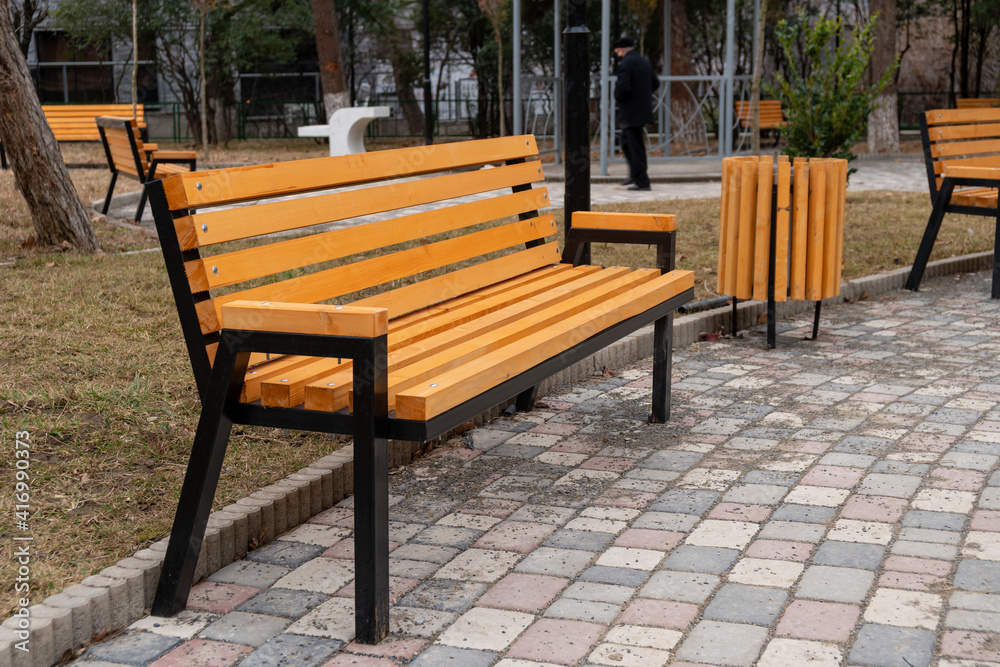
824, 503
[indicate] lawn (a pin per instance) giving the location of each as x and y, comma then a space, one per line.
96, 372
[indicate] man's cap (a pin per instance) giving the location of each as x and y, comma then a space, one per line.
623, 43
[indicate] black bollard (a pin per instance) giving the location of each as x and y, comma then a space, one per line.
577, 88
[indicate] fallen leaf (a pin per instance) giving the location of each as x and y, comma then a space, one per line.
29, 243
66, 245
50, 264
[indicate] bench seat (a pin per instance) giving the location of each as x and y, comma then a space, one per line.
301, 311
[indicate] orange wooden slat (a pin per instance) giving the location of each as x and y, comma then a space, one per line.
651, 222
223, 186
961, 132
800, 230
721, 275
762, 233
816, 235
306, 318
212, 227
958, 116
942, 150
745, 247
781, 232
831, 230
732, 228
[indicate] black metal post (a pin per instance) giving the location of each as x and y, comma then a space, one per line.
733, 326
772, 307
428, 98
577, 88
819, 304
663, 342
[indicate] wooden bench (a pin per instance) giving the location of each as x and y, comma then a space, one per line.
962, 156
772, 119
976, 102
781, 231
476, 309
127, 154
75, 122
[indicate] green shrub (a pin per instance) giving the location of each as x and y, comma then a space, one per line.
825, 100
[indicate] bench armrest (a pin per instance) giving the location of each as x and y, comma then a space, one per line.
149, 148
306, 318
979, 173
639, 222
634, 228
164, 156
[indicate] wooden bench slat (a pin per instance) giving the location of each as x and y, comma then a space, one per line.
468, 380
831, 231
732, 227
965, 148
627, 221
963, 132
745, 236
258, 373
335, 282
242, 265
816, 249
227, 186
410, 298
332, 392
208, 228
762, 233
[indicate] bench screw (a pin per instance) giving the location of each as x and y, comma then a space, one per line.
285, 380
434, 385
253, 372
265, 303
331, 384
198, 185
215, 270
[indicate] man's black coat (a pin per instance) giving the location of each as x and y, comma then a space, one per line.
634, 90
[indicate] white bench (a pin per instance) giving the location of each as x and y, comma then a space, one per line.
346, 130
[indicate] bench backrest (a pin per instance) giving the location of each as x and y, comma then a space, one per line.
291, 243
976, 102
75, 122
959, 137
770, 113
123, 146
808, 219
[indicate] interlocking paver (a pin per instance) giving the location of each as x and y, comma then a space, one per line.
746, 604
824, 621
723, 643
523, 592
888, 646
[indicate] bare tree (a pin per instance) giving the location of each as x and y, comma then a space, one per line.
496, 12
331, 60
883, 121
39, 170
25, 16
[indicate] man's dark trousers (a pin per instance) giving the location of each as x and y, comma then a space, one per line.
634, 149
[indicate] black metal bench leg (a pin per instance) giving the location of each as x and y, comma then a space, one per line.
525, 401
663, 342
816, 320
371, 496
200, 481
733, 318
930, 235
995, 291
111, 189
142, 205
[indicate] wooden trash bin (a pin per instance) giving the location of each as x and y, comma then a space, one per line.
781, 234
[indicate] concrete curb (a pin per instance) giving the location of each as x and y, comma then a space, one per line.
121, 594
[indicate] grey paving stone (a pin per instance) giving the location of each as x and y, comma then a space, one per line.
934, 520
794, 531
975, 601
444, 595
746, 411
283, 602
411, 569
901, 468
670, 460
421, 509
609, 593
987, 450
847, 460
287, 554
550, 514
835, 584
575, 496
889, 646
619, 576
924, 550
861, 444
701, 559
555, 562
287, 650
666, 521
516, 451
585, 540
515, 487
897, 486
746, 604
929, 535
770, 478
719, 643
685, 501
849, 554
583, 610
435, 656
981, 576
132, 648
250, 573
756, 494
240, 627
431, 553
979, 621
989, 499
446, 536
804, 513
680, 586
954, 416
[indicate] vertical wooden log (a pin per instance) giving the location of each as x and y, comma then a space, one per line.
781, 229
816, 236
762, 234
748, 211
800, 228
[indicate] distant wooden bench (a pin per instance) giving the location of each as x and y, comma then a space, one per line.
781, 233
772, 119
75, 122
477, 310
976, 102
962, 156
127, 154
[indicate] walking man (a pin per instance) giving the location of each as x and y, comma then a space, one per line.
634, 94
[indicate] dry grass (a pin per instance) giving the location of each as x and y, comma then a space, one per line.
95, 370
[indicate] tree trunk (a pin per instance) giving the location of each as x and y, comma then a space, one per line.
682, 105
39, 170
399, 51
204, 84
331, 60
883, 121
135, 56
